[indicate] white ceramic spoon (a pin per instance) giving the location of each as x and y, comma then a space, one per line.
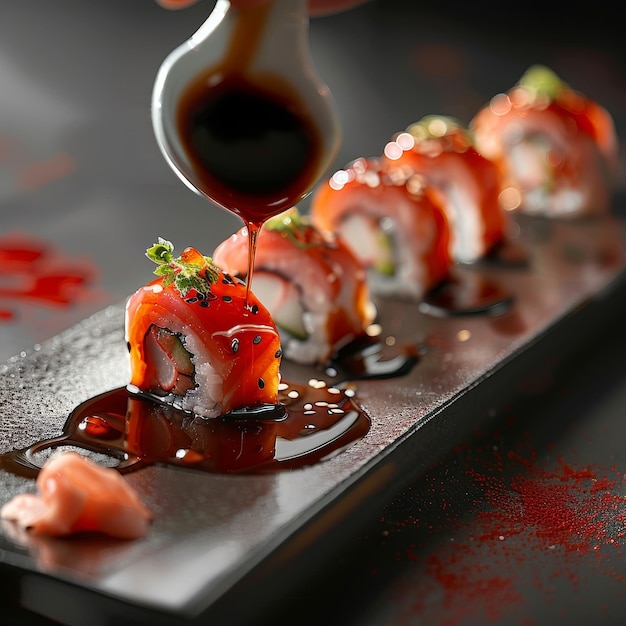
268, 47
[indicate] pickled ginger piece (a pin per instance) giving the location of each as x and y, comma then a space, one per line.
77, 495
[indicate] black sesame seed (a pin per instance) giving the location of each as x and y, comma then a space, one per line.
279, 353
227, 299
257, 340
234, 344
254, 309
204, 304
191, 300
261, 383
227, 279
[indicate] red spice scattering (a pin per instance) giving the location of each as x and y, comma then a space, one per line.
77, 495
533, 527
562, 506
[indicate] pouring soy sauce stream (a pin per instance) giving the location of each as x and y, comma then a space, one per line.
241, 115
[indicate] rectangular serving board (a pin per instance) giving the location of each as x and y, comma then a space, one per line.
218, 536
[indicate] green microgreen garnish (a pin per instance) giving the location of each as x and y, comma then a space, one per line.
436, 126
541, 80
190, 271
292, 225
289, 220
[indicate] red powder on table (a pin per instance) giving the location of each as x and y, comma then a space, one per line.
533, 528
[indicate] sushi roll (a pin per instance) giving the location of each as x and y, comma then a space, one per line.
314, 287
194, 340
394, 224
442, 149
556, 149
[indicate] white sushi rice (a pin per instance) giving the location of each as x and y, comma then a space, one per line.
205, 398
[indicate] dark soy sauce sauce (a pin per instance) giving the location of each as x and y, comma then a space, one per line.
506, 254
255, 151
367, 357
311, 422
466, 293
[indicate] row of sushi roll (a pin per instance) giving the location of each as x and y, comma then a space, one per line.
540, 149
440, 194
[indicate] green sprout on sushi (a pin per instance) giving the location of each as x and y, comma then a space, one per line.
191, 271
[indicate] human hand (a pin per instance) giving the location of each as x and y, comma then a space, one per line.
316, 7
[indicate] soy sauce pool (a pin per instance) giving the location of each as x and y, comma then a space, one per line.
311, 423
367, 357
466, 293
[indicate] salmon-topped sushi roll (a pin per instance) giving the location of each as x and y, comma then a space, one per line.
195, 342
314, 287
556, 148
441, 149
394, 224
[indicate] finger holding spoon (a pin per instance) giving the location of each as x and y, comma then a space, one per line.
316, 7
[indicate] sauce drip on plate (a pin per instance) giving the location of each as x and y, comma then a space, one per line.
312, 422
369, 357
466, 293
